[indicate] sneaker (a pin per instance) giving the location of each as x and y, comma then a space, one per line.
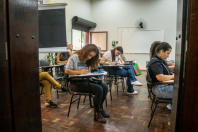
137, 83
135, 92
51, 104
169, 106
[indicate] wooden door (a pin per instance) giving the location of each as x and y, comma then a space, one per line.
185, 106
22, 40
5, 94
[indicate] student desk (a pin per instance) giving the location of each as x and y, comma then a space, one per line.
113, 67
52, 67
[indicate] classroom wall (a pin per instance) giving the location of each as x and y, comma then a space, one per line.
81, 8
112, 15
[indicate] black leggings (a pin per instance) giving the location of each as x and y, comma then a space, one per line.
100, 92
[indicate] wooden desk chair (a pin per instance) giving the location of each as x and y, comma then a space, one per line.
155, 100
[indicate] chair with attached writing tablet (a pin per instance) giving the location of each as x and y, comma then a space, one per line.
155, 100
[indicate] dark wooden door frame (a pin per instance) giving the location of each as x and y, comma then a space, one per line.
106, 39
19, 97
184, 112
6, 115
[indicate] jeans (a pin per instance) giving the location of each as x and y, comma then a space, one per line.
46, 79
125, 71
100, 92
163, 91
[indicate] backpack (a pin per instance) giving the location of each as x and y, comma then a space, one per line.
136, 69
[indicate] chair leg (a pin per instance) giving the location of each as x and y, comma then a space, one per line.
84, 99
106, 101
41, 91
152, 114
117, 89
110, 91
70, 105
57, 94
78, 101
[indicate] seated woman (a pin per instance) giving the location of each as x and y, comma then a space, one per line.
154, 45
63, 57
113, 56
46, 79
81, 62
159, 71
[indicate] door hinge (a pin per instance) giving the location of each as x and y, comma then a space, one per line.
6, 50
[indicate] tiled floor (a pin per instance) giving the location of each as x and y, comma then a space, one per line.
130, 113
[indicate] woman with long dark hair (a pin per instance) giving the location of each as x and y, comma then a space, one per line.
153, 48
111, 58
81, 62
159, 70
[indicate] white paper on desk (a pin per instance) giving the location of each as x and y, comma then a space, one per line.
94, 73
91, 74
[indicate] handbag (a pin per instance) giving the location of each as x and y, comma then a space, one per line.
95, 80
136, 69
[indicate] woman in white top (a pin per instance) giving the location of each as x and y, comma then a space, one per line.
112, 57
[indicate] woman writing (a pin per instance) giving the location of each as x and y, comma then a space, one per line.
154, 45
159, 70
81, 62
111, 58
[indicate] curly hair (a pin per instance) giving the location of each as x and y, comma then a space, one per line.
84, 52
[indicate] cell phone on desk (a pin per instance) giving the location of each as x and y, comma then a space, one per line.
171, 61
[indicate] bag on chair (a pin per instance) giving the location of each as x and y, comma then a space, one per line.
136, 69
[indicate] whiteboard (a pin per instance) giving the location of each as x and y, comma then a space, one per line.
139, 41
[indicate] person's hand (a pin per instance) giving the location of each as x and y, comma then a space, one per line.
173, 76
40, 70
113, 63
84, 71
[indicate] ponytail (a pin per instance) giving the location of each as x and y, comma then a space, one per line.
153, 48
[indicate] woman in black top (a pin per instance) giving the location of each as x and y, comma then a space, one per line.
63, 57
159, 70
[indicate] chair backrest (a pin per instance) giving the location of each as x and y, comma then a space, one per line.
148, 77
44, 63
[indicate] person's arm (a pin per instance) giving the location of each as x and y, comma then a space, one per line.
73, 72
70, 52
123, 55
70, 68
172, 67
162, 77
102, 61
58, 59
120, 59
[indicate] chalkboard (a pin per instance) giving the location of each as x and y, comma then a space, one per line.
139, 41
52, 28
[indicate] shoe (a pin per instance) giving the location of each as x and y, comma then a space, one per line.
64, 89
104, 114
169, 106
137, 83
135, 92
98, 117
51, 104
